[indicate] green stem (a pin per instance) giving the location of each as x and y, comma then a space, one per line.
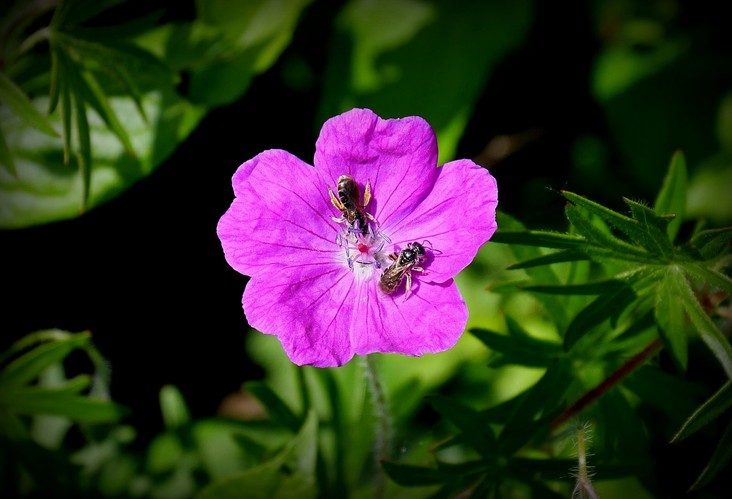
382, 444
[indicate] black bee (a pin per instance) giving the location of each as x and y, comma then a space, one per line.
350, 204
405, 262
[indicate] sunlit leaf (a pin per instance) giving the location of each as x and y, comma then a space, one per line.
12, 96
174, 408
712, 408
671, 199
289, 474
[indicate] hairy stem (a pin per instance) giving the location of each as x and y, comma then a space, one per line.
382, 444
588, 398
584, 488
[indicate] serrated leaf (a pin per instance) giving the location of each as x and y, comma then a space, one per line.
721, 456
654, 226
15, 99
469, 422
671, 199
594, 234
711, 409
276, 407
174, 408
625, 224
29, 365
604, 307
670, 318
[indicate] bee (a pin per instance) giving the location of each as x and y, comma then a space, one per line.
405, 262
350, 204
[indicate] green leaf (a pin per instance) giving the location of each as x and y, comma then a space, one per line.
712, 243
410, 475
718, 461
708, 331
670, 317
59, 402
519, 349
174, 408
711, 409
710, 276
556, 257
6, 157
15, 99
671, 199
72, 12
604, 307
469, 421
29, 365
289, 474
655, 228
596, 235
276, 407
540, 238
590, 288
625, 224
379, 63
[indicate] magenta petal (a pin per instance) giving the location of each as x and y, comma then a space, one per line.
397, 156
455, 219
280, 216
309, 309
430, 320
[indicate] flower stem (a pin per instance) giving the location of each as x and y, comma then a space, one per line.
382, 444
583, 489
612, 380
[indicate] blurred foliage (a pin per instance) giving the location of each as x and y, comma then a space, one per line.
597, 330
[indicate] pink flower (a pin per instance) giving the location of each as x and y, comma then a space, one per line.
315, 280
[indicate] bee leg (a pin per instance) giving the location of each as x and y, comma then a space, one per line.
408, 287
336, 202
338, 219
367, 194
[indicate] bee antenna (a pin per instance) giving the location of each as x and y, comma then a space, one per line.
428, 243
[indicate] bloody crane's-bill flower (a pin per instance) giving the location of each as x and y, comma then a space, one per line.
316, 252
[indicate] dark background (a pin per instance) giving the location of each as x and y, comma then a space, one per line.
145, 273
